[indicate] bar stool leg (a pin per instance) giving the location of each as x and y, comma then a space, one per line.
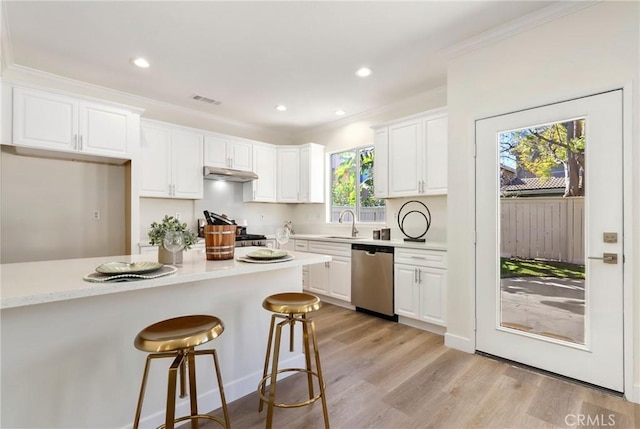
136, 420
320, 377
266, 359
171, 391
307, 355
193, 395
274, 373
227, 422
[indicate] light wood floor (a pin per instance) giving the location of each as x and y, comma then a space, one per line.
381, 374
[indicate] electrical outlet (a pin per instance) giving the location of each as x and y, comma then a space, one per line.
178, 215
96, 215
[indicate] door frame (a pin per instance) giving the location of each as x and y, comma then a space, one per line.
631, 391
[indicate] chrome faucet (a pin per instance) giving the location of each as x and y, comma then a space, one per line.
354, 231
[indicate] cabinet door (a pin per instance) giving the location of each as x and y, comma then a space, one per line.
340, 278
433, 284
288, 174
405, 158
406, 292
241, 155
44, 120
103, 130
319, 278
303, 192
435, 174
186, 154
381, 163
155, 151
215, 152
264, 163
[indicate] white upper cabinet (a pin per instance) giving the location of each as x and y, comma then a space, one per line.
288, 174
265, 166
381, 163
172, 159
57, 122
301, 174
411, 156
311, 173
227, 153
405, 158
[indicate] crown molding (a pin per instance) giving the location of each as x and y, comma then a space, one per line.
437, 91
519, 25
6, 50
133, 99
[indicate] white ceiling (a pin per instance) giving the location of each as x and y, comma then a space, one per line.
252, 56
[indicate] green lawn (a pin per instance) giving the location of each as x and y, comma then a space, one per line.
533, 268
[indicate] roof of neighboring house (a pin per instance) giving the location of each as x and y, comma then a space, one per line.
534, 183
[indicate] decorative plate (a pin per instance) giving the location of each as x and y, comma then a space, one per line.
264, 261
267, 254
102, 278
128, 267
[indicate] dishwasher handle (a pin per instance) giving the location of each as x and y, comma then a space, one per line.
372, 249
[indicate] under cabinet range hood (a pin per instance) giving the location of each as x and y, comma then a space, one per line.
228, 174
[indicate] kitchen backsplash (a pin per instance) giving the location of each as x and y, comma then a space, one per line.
263, 218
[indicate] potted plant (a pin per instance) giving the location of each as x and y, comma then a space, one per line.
157, 235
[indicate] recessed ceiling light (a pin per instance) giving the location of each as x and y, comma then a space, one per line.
140, 62
340, 112
281, 107
363, 72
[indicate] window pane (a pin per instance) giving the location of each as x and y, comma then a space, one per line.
352, 186
371, 208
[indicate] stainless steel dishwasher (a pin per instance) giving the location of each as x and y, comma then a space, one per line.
372, 279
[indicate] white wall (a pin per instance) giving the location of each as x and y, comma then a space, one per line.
594, 49
226, 197
47, 207
355, 132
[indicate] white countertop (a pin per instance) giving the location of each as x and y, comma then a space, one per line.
429, 245
30, 283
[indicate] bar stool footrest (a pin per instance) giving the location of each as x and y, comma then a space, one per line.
216, 419
297, 404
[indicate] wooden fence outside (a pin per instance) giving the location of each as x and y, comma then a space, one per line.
367, 214
547, 228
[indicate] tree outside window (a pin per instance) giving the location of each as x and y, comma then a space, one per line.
352, 185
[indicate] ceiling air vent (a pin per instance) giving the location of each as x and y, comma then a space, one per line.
206, 100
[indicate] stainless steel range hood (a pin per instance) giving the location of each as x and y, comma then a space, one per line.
228, 174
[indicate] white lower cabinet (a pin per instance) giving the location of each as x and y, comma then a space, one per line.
420, 285
331, 278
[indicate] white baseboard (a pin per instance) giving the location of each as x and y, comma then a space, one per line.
425, 326
210, 400
334, 301
635, 395
466, 345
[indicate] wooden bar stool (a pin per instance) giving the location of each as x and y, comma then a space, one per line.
177, 338
292, 307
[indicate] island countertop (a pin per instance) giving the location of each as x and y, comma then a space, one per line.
30, 283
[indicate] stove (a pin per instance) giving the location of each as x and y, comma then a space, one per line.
243, 240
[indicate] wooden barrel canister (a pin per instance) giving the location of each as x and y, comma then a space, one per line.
220, 241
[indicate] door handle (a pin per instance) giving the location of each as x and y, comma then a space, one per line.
607, 258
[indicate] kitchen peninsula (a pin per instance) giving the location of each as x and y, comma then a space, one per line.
68, 358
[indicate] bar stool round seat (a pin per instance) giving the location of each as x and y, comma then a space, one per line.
179, 333
177, 338
292, 303
292, 308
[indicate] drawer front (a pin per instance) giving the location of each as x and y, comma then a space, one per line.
328, 248
301, 245
422, 258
